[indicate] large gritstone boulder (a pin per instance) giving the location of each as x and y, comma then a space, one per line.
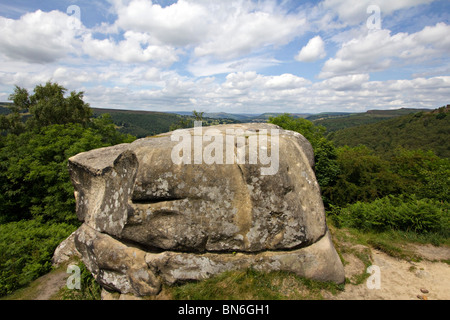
190, 204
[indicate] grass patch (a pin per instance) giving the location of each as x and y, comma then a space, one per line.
32, 290
393, 243
254, 285
89, 288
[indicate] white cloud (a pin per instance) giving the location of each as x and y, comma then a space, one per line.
222, 29
345, 83
376, 51
38, 37
136, 47
182, 23
205, 66
313, 51
143, 58
245, 32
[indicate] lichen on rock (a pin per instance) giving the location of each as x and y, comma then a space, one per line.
150, 220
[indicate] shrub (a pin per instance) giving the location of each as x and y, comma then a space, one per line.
26, 248
403, 213
89, 288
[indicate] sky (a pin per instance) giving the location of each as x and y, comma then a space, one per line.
235, 56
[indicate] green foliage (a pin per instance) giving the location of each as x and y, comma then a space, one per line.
338, 121
424, 130
34, 177
254, 285
423, 173
363, 176
198, 115
326, 168
47, 106
137, 123
402, 213
89, 288
185, 122
26, 248
310, 131
34, 180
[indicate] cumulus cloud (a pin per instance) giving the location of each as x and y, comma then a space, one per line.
345, 83
157, 57
242, 32
136, 47
182, 23
38, 37
376, 51
313, 51
223, 29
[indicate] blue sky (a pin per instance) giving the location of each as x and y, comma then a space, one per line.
238, 56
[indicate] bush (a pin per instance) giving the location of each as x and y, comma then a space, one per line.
363, 176
26, 248
423, 173
402, 213
326, 169
34, 180
89, 288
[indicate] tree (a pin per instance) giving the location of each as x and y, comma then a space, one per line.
423, 173
363, 176
327, 169
198, 115
183, 123
47, 106
34, 180
310, 131
13, 122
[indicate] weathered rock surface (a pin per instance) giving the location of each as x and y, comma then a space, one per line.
149, 220
65, 251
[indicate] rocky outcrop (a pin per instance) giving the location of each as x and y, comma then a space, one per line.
191, 204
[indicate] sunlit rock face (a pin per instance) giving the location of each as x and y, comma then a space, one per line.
194, 203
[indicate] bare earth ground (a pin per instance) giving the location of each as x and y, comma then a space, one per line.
51, 285
400, 279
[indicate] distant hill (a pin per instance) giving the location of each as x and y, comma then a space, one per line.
224, 115
423, 130
328, 115
3, 107
149, 123
220, 115
140, 123
337, 121
244, 117
265, 116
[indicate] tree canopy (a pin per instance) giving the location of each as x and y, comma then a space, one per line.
40, 134
46, 106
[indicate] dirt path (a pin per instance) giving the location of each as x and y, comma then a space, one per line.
400, 279
50, 284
